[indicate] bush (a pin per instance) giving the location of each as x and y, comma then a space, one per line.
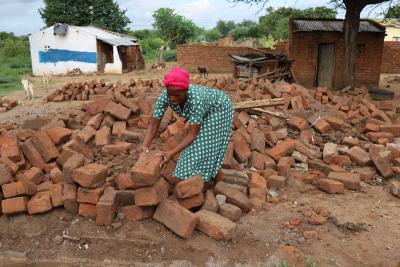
169, 56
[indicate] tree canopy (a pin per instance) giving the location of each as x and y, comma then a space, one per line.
393, 12
102, 13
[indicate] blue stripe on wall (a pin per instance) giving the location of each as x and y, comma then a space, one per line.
58, 55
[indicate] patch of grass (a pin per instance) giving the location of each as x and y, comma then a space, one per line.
310, 262
11, 69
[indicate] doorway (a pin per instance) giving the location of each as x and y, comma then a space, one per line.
326, 65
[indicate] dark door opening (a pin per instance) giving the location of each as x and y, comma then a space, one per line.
326, 65
104, 55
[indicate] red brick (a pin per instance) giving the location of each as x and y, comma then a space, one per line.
284, 165
87, 210
44, 186
215, 226
124, 181
106, 207
350, 141
228, 159
14, 205
40, 203
147, 169
189, 187
298, 123
260, 193
74, 162
137, 213
322, 126
65, 155
336, 123
95, 121
276, 181
5, 174
257, 181
233, 196
257, 141
193, 201
147, 196
271, 137
16, 189
257, 160
11, 166
350, 180
56, 176
381, 160
330, 186
393, 129
240, 147
59, 134
175, 217
374, 136
90, 196
90, 176
118, 111
56, 194
119, 127
120, 148
87, 133
69, 198
103, 137
33, 175
359, 155
32, 154
45, 146
167, 173
97, 106
282, 149
372, 127
210, 202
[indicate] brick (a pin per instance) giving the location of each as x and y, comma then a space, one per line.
322, 126
230, 211
366, 173
147, 169
192, 201
90, 176
119, 127
350, 180
276, 181
311, 153
108, 121
16, 189
374, 136
44, 186
393, 129
40, 203
56, 176
14, 205
269, 163
298, 123
79, 146
395, 188
32, 154
64, 156
330, 150
284, 165
103, 137
5, 174
210, 202
215, 225
233, 196
74, 162
243, 117
330, 186
106, 207
175, 217
95, 121
299, 157
257, 181
147, 196
371, 127
271, 137
359, 155
282, 149
120, 148
235, 177
97, 106
257, 140
87, 210
137, 213
56, 194
350, 141
12, 153
59, 134
124, 181
381, 160
260, 193
87, 134
11, 166
118, 111
125, 197
189, 187
90, 196
69, 198
45, 146
240, 147
281, 133
336, 123
257, 160
33, 175
168, 171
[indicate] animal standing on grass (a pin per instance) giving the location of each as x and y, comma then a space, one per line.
203, 71
47, 77
28, 88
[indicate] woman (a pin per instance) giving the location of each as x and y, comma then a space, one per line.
209, 112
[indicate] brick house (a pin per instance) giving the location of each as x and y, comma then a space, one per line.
317, 48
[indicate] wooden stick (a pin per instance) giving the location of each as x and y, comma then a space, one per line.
274, 113
260, 103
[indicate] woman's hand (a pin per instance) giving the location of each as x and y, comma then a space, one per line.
167, 156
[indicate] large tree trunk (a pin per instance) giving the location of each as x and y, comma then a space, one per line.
350, 29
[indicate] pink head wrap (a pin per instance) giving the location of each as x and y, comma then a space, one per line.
177, 78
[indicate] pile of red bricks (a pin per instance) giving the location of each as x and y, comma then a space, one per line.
94, 90
87, 160
6, 104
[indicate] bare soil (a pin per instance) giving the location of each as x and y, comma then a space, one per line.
363, 228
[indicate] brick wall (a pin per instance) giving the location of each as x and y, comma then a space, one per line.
391, 58
304, 52
214, 58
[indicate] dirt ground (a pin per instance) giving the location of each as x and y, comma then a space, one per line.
363, 228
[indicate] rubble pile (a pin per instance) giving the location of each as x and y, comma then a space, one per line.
6, 104
88, 161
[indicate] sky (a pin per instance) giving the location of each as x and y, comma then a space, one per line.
22, 17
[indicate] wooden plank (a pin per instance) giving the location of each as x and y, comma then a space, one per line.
274, 113
260, 103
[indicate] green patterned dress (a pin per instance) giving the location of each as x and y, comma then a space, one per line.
213, 110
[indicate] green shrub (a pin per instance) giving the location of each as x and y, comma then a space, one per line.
169, 56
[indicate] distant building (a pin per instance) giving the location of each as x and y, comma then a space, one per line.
392, 29
61, 48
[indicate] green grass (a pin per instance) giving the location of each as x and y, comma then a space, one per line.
11, 69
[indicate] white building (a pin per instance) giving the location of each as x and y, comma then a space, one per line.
62, 48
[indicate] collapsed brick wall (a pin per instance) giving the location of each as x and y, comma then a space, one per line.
391, 58
215, 58
304, 52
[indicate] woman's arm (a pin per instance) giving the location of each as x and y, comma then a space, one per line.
151, 132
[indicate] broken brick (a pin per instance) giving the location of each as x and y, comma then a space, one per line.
137, 213
189, 187
215, 225
118, 111
103, 137
359, 155
282, 149
240, 147
87, 210
233, 196
69, 198
90, 196
90, 176
32, 154
16, 189
45, 146
350, 180
330, 186
147, 169
40, 203
106, 207
14, 205
59, 134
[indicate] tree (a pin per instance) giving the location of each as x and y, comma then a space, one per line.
225, 27
174, 28
212, 35
102, 13
393, 12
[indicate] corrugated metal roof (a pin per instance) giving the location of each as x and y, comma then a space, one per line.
111, 38
246, 59
305, 25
